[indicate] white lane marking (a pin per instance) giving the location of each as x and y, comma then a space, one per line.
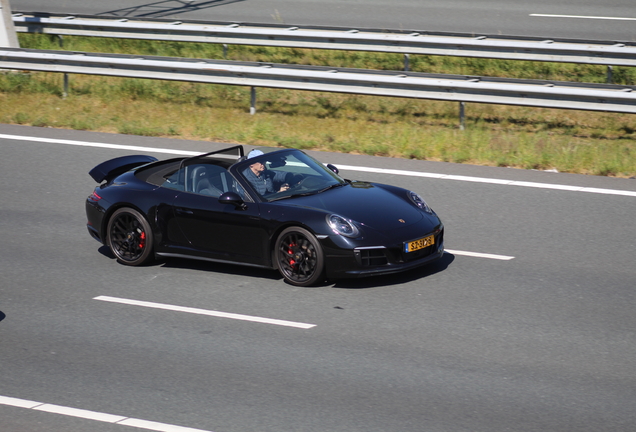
20, 403
584, 17
205, 312
490, 180
99, 145
76, 412
345, 167
480, 255
96, 416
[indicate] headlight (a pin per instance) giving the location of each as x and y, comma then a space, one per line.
342, 226
418, 201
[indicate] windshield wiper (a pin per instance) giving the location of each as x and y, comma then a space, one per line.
291, 196
307, 193
332, 186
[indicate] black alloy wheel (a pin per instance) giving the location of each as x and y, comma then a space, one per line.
129, 237
299, 257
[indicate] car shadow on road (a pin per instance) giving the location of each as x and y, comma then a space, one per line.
207, 266
214, 267
397, 278
264, 273
105, 251
2, 316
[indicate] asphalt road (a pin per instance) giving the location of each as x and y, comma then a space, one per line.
541, 342
606, 20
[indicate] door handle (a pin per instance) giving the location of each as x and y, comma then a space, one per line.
183, 211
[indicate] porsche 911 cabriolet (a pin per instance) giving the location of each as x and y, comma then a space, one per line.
273, 208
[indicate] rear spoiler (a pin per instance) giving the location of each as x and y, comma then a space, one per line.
112, 168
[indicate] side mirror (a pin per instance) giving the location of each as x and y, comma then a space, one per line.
234, 199
333, 168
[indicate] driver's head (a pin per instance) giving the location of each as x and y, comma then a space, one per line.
257, 167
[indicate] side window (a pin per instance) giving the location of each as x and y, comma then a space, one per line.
211, 180
171, 181
207, 179
236, 187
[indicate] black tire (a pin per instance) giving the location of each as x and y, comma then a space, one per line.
299, 257
129, 237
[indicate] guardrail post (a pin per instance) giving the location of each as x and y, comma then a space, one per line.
462, 115
406, 61
65, 92
610, 76
252, 100
8, 36
224, 51
60, 40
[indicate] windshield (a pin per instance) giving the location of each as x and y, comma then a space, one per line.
281, 175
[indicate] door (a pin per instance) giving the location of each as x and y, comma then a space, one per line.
219, 231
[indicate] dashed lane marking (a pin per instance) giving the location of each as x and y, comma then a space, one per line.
584, 17
205, 312
480, 255
96, 416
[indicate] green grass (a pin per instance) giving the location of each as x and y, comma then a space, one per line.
531, 138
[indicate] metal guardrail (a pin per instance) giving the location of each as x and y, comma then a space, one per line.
619, 53
595, 97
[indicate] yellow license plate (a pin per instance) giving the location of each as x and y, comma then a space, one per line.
419, 244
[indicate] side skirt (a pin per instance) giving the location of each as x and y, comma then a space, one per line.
176, 255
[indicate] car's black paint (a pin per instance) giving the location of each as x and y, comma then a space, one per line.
240, 226
113, 167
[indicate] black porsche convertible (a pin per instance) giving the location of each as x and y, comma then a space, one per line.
272, 208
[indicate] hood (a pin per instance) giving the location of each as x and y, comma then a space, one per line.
366, 203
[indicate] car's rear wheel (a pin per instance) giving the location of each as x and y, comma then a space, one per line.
129, 237
299, 257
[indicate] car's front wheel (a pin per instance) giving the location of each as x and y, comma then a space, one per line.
299, 257
129, 237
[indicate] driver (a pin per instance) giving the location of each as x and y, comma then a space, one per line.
263, 179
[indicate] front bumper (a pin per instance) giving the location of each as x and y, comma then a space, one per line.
366, 261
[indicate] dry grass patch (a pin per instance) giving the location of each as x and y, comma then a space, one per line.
569, 141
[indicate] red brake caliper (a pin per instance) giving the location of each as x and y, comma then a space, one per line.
142, 240
291, 253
